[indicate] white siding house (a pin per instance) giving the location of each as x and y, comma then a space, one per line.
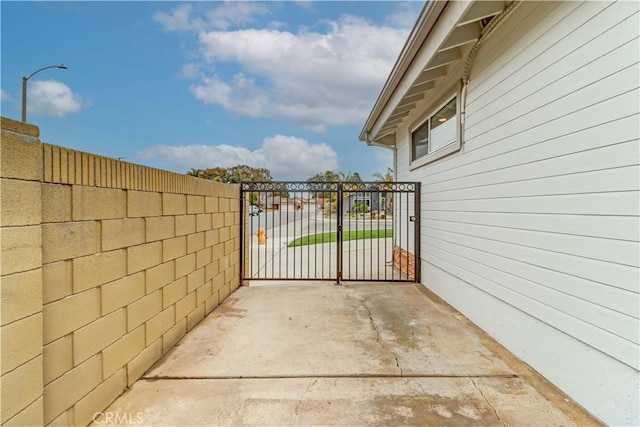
521, 121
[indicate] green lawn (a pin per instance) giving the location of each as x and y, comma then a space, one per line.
314, 239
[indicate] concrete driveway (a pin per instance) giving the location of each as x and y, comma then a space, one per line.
325, 355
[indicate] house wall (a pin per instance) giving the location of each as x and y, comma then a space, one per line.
105, 266
532, 229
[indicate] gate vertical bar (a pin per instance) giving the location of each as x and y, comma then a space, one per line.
372, 198
273, 236
386, 215
322, 251
309, 246
392, 209
294, 229
339, 208
408, 221
416, 250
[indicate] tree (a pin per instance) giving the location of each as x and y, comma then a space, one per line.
328, 176
318, 183
234, 174
386, 177
350, 177
195, 172
385, 181
241, 173
325, 188
217, 174
331, 176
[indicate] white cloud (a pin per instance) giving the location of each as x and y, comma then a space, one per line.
287, 157
317, 78
179, 19
190, 71
53, 98
4, 95
219, 18
406, 15
234, 13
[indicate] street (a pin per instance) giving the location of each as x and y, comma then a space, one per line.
365, 258
309, 220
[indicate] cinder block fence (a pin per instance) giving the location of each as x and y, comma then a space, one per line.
105, 265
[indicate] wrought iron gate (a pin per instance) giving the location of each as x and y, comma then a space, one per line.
365, 231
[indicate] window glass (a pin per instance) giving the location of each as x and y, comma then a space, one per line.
420, 141
444, 126
440, 130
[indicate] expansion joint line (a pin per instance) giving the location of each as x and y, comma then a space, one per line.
375, 329
487, 400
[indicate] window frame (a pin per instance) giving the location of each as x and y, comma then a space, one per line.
445, 150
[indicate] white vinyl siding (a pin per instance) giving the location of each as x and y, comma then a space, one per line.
540, 210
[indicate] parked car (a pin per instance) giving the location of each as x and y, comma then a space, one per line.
254, 210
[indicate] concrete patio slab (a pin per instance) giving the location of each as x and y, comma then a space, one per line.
362, 354
339, 402
352, 330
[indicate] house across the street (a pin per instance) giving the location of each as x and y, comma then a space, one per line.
362, 202
520, 119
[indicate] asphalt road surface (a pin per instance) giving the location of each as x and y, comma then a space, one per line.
309, 220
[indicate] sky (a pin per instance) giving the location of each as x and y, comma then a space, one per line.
282, 85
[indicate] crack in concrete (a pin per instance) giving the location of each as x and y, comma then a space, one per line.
295, 421
484, 356
375, 329
488, 403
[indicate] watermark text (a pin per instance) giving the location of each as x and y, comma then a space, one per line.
118, 418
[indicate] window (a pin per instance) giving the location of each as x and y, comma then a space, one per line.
439, 131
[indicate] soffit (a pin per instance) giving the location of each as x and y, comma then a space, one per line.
444, 48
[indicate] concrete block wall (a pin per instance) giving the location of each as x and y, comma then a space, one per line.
21, 285
107, 265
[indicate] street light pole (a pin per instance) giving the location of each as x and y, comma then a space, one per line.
24, 88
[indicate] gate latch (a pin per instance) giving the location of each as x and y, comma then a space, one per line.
413, 218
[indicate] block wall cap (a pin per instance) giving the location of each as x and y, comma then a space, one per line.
19, 127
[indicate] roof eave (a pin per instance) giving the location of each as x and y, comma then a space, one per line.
442, 38
428, 16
